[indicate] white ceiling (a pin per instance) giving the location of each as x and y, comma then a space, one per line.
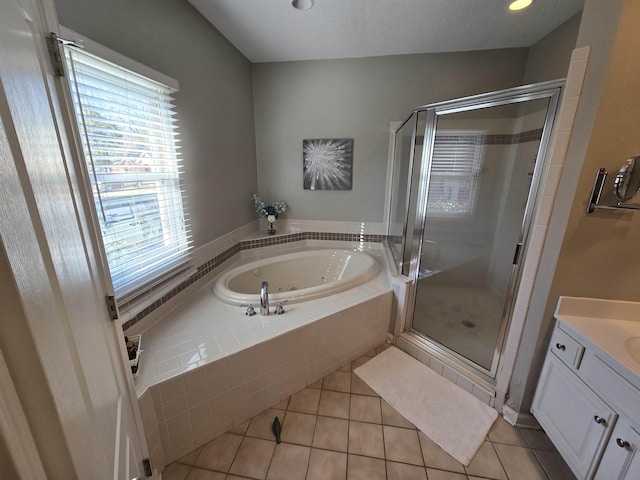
274, 31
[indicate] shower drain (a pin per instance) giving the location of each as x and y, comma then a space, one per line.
468, 324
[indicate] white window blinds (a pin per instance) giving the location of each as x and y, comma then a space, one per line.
128, 131
455, 166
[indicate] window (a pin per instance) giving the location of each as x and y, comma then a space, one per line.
127, 127
455, 167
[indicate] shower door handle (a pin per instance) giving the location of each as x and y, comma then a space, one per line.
516, 256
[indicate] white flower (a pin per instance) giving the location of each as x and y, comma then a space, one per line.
271, 218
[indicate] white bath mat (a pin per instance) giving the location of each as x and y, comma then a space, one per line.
447, 414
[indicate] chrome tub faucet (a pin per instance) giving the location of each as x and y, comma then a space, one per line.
264, 298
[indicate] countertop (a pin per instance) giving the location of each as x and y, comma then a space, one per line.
605, 325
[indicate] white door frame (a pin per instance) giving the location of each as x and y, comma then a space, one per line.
46, 367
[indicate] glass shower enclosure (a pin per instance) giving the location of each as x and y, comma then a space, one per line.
464, 188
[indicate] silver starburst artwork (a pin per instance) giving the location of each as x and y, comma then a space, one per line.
327, 163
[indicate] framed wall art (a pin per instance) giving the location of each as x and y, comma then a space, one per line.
327, 163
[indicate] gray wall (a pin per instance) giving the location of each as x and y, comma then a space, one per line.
582, 254
215, 102
356, 98
549, 57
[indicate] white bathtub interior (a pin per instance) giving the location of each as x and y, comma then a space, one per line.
207, 367
296, 277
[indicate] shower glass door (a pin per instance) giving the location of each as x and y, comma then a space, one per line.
405, 188
479, 173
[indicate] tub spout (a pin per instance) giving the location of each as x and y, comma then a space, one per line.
264, 299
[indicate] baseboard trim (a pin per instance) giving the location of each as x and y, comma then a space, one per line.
520, 419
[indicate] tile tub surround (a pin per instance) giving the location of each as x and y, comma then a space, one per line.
206, 367
250, 243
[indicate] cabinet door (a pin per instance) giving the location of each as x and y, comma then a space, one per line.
576, 420
621, 460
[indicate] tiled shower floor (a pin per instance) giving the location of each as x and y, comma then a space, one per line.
338, 428
463, 317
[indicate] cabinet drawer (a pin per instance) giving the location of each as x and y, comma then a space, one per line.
566, 348
612, 387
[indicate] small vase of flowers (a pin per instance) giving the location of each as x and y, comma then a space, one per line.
269, 212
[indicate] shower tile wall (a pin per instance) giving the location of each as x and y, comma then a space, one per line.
524, 306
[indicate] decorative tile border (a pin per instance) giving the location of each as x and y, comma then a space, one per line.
513, 138
493, 138
208, 266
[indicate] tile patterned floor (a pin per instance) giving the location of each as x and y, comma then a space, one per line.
338, 428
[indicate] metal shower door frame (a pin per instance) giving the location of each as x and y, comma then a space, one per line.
414, 131
551, 90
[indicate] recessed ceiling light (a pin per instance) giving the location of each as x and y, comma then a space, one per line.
519, 4
302, 4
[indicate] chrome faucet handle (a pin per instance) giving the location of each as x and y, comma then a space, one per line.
250, 310
279, 310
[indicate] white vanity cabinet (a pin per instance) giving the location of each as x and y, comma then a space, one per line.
576, 420
588, 395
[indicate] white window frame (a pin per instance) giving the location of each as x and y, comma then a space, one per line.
148, 292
